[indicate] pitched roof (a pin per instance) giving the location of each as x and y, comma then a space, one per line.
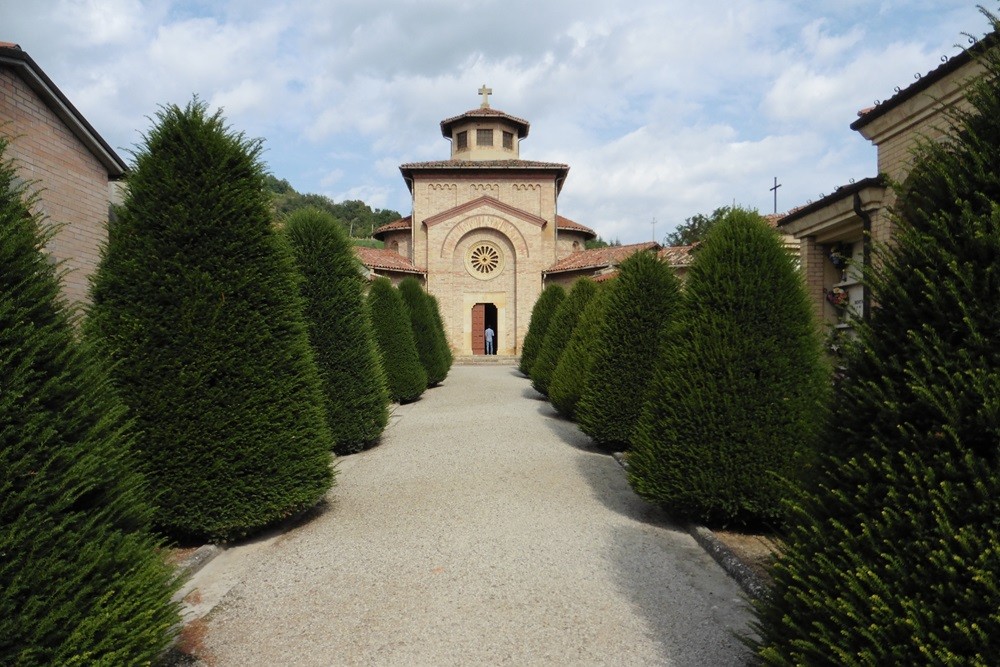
387, 260
677, 255
565, 223
12, 56
402, 223
606, 276
484, 164
838, 194
486, 112
598, 257
950, 65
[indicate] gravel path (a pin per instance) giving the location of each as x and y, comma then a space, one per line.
483, 530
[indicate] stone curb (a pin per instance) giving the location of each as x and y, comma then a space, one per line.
734, 566
201, 557
748, 580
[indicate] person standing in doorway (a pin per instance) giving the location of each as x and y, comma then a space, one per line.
489, 341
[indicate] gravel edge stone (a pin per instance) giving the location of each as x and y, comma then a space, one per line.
751, 583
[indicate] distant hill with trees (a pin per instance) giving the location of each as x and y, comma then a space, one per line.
358, 218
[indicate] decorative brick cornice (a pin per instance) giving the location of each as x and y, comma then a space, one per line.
489, 202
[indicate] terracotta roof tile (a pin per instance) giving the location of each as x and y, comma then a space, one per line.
484, 164
402, 223
486, 112
388, 260
604, 277
566, 223
598, 257
677, 255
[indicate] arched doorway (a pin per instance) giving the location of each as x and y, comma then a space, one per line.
484, 315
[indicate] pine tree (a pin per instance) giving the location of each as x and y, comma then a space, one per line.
81, 577
425, 330
736, 402
643, 300
340, 330
574, 367
196, 306
893, 556
559, 332
407, 377
541, 315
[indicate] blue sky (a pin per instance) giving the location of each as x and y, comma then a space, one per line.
662, 108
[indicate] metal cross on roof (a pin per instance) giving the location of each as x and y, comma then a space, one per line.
485, 92
775, 191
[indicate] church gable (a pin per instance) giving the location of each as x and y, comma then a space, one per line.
484, 227
488, 205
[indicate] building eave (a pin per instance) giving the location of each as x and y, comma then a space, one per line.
15, 58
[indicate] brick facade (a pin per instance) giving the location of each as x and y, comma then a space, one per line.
895, 127
484, 227
52, 148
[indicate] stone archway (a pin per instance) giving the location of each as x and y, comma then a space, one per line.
483, 284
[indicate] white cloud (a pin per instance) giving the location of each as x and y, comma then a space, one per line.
661, 108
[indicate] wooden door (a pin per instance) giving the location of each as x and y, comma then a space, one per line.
479, 328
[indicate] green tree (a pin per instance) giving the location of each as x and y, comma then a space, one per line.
541, 315
592, 244
643, 300
696, 228
573, 369
736, 402
406, 375
893, 556
425, 331
442, 336
196, 306
81, 577
559, 332
340, 330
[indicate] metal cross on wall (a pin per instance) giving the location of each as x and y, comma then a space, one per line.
775, 191
485, 92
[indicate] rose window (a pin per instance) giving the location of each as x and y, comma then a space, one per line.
484, 260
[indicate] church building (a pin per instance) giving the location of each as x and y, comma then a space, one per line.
483, 231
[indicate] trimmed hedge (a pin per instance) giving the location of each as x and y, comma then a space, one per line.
196, 306
82, 580
893, 556
574, 367
426, 335
643, 299
737, 400
394, 335
541, 315
442, 336
340, 330
559, 332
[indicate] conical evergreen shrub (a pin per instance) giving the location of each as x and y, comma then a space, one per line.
643, 299
442, 336
541, 315
340, 330
559, 332
196, 305
893, 557
737, 399
425, 331
406, 375
82, 580
573, 369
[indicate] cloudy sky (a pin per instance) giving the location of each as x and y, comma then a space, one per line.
662, 108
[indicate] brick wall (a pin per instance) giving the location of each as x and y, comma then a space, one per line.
72, 184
